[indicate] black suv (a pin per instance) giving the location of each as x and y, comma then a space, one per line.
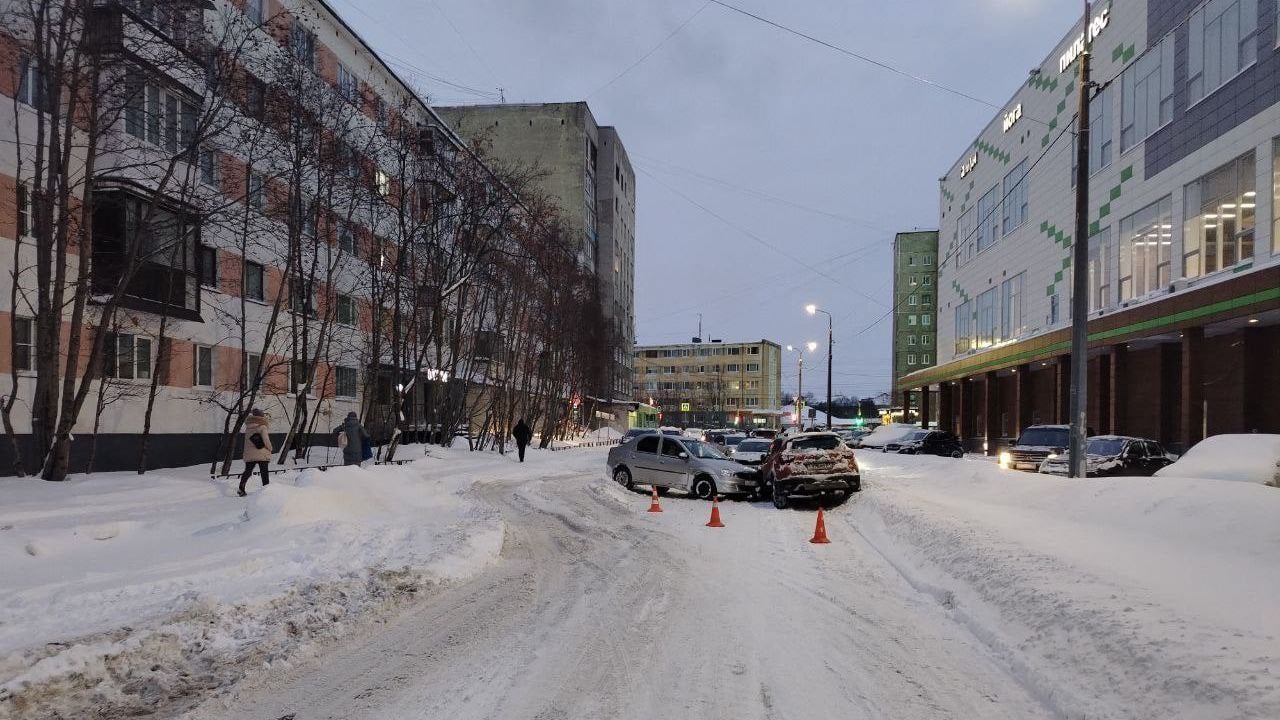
1114, 456
1036, 443
928, 442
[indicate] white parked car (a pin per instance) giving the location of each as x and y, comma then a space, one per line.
1246, 458
695, 433
751, 451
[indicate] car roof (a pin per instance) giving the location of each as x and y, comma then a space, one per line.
1120, 437
1050, 427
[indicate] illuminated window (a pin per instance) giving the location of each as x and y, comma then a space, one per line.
1144, 242
1220, 217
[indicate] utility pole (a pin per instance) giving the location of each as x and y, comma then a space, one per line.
830, 346
1080, 277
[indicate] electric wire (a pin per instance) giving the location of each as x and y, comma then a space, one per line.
651, 51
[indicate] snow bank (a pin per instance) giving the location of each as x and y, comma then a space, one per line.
1116, 598
170, 571
890, 433
1245, 458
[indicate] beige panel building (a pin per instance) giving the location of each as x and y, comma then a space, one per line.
712, 384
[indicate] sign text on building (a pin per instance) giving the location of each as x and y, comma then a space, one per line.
1012, 117
969, 164
1075, 49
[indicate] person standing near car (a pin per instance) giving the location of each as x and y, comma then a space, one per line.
353, 439
523, 435
257, 448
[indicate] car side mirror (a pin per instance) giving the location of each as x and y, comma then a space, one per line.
684, 456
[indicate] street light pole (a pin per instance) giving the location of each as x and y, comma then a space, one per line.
1080, 275
813, 309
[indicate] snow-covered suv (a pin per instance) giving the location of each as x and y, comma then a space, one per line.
812, 464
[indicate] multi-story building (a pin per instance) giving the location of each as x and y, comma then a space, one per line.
915, 275
271, 208
586, 171
712, 384
1184, 234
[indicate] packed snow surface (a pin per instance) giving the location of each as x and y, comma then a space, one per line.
1247, 458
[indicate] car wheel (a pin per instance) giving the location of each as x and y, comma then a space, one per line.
622, 476
779, 498
704, 488
957, 454
662, 491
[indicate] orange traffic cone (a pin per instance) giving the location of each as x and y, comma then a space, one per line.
820, 530
715, 513
654, 506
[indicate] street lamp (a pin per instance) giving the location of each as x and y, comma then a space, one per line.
799, 403
813, 310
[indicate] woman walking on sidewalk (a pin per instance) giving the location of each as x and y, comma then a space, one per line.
257, 447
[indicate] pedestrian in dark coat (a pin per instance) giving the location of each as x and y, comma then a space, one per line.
257, 447
357, 440
523, 434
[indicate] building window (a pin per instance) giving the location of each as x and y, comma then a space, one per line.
924, 359
158, 116
127, 357
348, 85
24, 343
208, 166
298, 381
251, 375
988, 310
911, 260
753, 367
912, 300
914, 281
988, 218
303, 44
253, 10
347, 313
1015, 197
911, 320
1220, 217
1011, 325
911, 358
911, 339
202, 367
255, 98
32, 89
1053, 309
302, 297
345, 382
1146, 94
347, 239
381, 183
926, 320
1100, 137
928, 260
1275, 194
926, 299
208, 266
152, 248
731, 367
927, 280
255, 193
966, 230
1222, 40
255, 285
926, 340
1100, 270
964, 327
1143, 246
22, 201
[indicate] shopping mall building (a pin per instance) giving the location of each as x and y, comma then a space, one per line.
1184, 236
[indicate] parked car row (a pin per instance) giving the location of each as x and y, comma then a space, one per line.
808, 465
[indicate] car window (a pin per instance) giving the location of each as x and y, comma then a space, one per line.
733, 440
753, 446
1108, 447
1154, 450
817, 442
1044, 437
704, 450
647, 444
671, 448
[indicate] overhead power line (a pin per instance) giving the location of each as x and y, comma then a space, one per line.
857, 55
652, 50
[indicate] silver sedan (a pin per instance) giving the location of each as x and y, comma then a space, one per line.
692, 466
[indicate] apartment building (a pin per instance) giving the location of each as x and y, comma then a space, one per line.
712, 384
587, 172
915, 292
268, 200
1184, 235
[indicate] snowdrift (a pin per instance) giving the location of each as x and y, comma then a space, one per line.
1243, 458
1111, 598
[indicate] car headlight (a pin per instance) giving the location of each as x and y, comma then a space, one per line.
726, 473
1005, 459
1052, 456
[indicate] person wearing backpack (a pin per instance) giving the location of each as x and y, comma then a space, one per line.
353, 440
257, 447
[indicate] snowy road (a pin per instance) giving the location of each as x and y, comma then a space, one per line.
597, 609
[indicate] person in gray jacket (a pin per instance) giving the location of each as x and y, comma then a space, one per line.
353, 439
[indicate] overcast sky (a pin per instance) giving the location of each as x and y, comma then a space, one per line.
820, 156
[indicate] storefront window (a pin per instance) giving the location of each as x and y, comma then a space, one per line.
1219, 227
964, 327
1011, 325
1145, 240
1100, 270
1275, 192
988, 314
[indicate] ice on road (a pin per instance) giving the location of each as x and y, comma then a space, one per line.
597, 609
